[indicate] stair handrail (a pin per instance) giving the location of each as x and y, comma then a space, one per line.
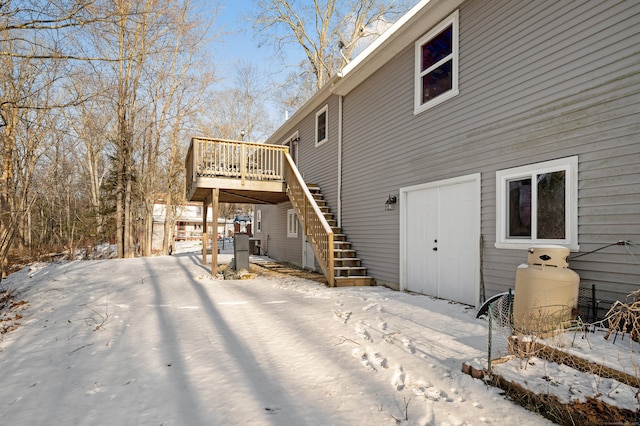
314, 223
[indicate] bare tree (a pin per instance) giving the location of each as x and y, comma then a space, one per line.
27, 87
327, 31
242, 107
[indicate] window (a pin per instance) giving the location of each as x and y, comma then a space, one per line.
436, 68
292, 143
322, 132
538, 204
292, 224
258, 220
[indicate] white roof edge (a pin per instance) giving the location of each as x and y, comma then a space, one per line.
389, 33
372, 58
411, 26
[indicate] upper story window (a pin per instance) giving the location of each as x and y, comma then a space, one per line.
322, 124
538, 204
436, 67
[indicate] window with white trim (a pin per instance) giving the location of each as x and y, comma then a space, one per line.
436, 65
292, 224
322, 125
538, 204
258, 220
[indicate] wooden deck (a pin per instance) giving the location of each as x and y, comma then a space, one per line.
225, 171
243, 172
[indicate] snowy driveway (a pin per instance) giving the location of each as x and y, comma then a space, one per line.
153, 341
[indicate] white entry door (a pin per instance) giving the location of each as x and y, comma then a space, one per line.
440, 232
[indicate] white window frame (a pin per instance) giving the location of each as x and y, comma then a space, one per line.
570, 166
419, 107
325, 110
292, 224
258, 221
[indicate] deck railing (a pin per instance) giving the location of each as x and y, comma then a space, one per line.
253, 161
233, 159
315, 225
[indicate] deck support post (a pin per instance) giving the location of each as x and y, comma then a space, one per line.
205, 206
215, 193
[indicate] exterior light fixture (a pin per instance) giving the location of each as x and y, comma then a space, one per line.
390, 204
241, 135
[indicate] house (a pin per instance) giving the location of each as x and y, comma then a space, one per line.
465, 134
188, 223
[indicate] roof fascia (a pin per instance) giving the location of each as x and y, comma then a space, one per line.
412, 25
404, 32
318, 99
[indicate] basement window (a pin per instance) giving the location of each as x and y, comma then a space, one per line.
538, 204
292, 224
258, 220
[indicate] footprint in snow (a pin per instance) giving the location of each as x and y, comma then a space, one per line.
397, 381
18, 399
408, 345
419, 387
371, 306
434, 394
376, 358
342, 316
362, 332
95, 390
363, 358
382, 324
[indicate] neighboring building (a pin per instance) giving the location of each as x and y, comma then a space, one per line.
490, 127
188, 226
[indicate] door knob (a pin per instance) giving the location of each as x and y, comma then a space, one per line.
435, 249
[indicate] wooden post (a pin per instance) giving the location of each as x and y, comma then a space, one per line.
215, 192
205, 205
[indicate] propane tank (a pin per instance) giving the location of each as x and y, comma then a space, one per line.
546, 291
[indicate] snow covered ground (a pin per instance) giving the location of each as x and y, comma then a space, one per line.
151, 341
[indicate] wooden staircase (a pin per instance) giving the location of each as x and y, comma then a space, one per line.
347, 268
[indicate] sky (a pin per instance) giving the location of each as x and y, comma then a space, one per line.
238, 44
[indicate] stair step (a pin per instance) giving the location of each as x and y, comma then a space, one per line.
353, 281
347, 262
350, 271
343, 254
341, 245
346, 266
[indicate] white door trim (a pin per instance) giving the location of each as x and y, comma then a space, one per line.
476, 178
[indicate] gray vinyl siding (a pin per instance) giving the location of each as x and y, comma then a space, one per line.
538, 81
274, 241
319, 165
